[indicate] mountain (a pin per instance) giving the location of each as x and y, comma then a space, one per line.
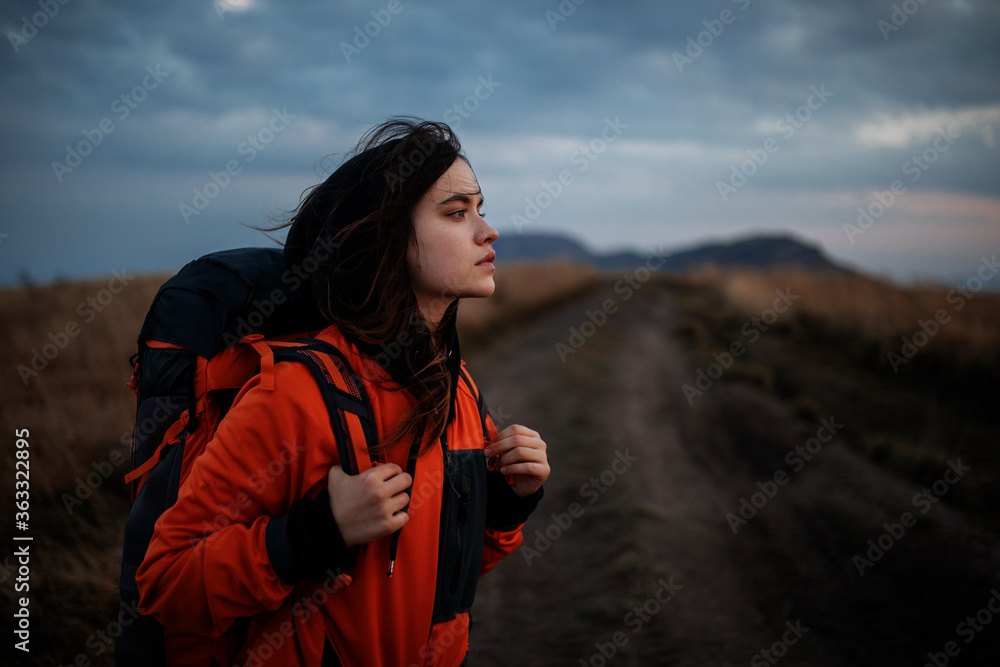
541, 247
756, 252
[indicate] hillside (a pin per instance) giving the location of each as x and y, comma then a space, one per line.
758, 252
754, 490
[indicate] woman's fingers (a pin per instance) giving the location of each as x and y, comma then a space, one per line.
521, 454
513, 437
369, 505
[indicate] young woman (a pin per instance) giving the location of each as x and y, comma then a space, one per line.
378, 567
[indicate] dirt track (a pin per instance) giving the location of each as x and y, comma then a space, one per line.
642, 484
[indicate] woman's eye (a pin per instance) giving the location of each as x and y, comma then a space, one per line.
463, 213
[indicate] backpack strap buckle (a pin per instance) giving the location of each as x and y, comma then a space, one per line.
169, 438
265, 348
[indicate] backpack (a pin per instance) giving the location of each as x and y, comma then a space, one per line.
221, 320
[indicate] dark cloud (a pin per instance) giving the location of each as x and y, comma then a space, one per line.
693, 112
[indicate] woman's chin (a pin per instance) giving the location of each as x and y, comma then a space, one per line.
481, 291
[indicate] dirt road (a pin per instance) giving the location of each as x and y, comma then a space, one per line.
692, 532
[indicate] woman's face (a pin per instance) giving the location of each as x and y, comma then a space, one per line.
452, 255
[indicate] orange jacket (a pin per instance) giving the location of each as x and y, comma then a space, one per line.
251, 534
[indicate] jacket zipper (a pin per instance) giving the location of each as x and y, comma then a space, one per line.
462, 514
463, 499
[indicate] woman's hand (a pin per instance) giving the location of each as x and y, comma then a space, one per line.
369, 506
522, 457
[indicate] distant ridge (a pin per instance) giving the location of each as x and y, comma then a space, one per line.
755, 252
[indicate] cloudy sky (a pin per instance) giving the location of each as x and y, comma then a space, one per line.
138, 135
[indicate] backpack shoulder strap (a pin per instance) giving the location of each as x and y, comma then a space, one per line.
484, 412
343, 393
480, 401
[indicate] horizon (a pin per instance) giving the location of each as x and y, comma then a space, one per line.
28, 281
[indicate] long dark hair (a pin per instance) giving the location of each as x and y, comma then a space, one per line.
364, 210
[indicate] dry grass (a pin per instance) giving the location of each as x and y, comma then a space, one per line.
78, 409
840, 349
867, 315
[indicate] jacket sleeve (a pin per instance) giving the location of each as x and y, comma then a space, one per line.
248, 523
506, 512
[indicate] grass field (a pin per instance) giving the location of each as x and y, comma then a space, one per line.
917, 366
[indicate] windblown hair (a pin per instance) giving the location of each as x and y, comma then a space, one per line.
365, 211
